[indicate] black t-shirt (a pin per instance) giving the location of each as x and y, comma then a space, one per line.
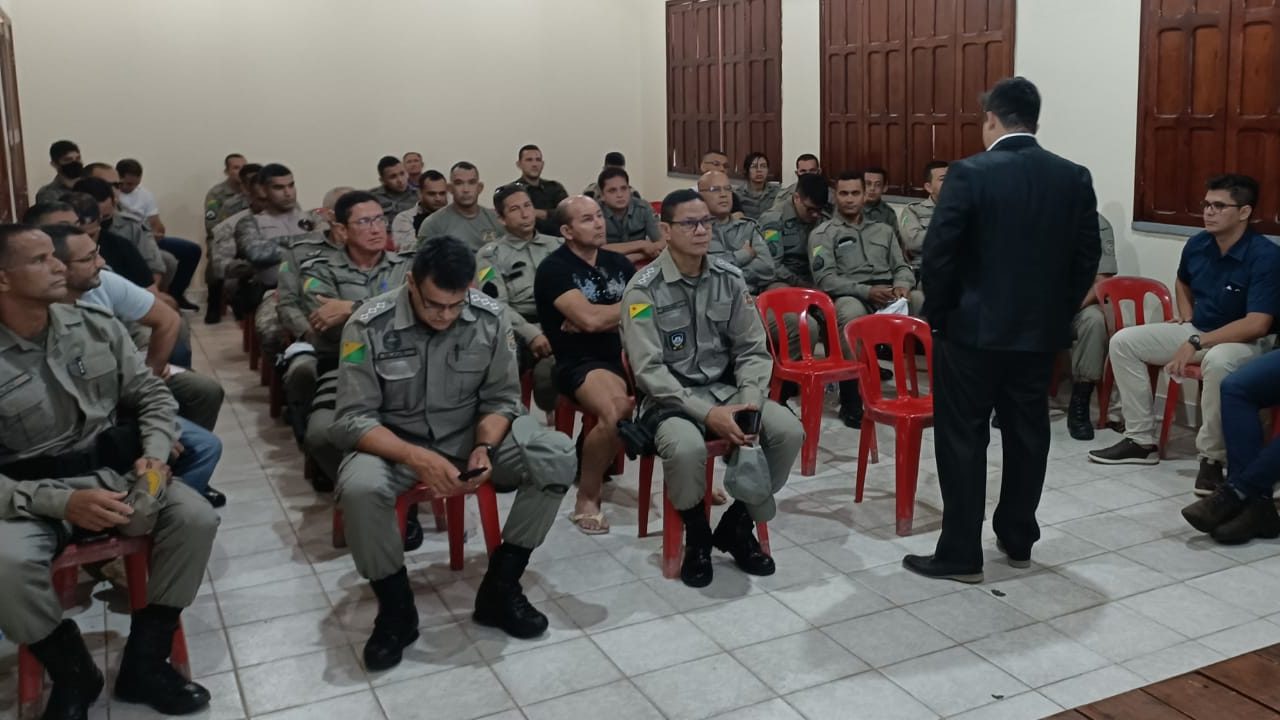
603, 284
124, 259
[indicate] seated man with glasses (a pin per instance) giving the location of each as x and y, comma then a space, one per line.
1228, 296
428, 393
736, 239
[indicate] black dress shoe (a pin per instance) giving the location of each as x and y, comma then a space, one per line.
1258, 519
215, 498
927, 566
185, 304
696, 571
1017, 560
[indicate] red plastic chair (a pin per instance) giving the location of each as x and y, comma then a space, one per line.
811, 373
909, 413
1112, 292
136, 552
455, 511
566, 416
657, 207
1172, 394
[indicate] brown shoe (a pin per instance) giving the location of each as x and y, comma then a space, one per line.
1207, 514
1209, 479
1258, 520
1126, 452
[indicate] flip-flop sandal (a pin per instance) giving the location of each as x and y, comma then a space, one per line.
719, 497
601, 527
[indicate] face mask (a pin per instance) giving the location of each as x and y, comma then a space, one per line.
73, 169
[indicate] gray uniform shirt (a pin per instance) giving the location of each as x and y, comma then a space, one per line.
788, 241
638, 222
58, 392
333, 275
505, 270
261, 237
51, 191
734, 240
914, 226
292, 311
683, 335
221, 202
394, 203
847, 258
755, 204
476, 232
429, 388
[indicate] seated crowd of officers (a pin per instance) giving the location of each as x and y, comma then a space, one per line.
402, 319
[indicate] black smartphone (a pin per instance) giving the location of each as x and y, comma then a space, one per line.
472, 474
748, 421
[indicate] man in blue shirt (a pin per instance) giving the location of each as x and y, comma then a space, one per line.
1228, 296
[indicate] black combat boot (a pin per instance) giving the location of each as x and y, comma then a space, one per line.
77, 682
850, 404
696, 571
1078, 422
396, 625
500, 601
146, 677
213, 306
412, 529
736, 535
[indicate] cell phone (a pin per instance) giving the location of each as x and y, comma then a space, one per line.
748, 421
472, 474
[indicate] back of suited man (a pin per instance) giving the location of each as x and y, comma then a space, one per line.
1010, 253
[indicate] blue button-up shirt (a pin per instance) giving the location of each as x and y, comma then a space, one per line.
1226, 287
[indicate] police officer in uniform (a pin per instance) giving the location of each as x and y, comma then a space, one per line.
221, 202
225, 267
505, 269
786, 229
860, 264
427, 390
70, 466
334, 285
916, 216
393, 193
1089, 340
736, 240
875, 209
631, 227
698, 350
545, 194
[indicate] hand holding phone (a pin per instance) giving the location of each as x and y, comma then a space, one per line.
472, 474
748, 421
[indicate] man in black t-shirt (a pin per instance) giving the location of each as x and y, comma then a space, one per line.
578, 290
81, 210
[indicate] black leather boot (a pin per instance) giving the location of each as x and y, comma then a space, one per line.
696, 571
500, 601
77, 682
850, 404
1078, 422
412, 530
213, 306
396, 625
146, 677
736, 535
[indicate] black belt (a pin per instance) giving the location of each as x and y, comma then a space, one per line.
116, 448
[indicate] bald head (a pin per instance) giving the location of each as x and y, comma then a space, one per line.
717, 193
581, 221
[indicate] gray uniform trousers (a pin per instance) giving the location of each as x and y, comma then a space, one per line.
1089, 347
682, 448
182, 539
851, 308
199, 397
316, 442
537, 462
300, 384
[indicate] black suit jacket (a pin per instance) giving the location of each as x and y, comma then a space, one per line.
1012, 249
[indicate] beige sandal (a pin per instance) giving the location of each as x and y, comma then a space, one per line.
579, 519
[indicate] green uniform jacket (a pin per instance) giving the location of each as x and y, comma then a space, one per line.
730, 241
638, 223
221, 202
394, 203
846, 258
505, 270
333, 275
476, 232
788, 240
755, 204
289, 305
914, 226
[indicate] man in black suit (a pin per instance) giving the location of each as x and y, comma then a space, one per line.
1012, 249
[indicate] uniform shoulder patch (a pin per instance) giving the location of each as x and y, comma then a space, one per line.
371, 310
725, 266
484, 302
646, 275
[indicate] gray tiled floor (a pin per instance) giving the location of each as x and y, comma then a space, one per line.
1120, 593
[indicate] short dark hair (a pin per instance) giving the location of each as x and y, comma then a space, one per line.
58, 233
8, 231
38, 212
526, 148
610, 173
808, 156
60, 148
932, 165
448, 261
814, 188
1015, 102
129, 166
851, 175
1242, 188
98, 188
712, 151
876, 170
249, 171
675, 199
433, 176
750, 159
411, 152
226, 161
387, 161
342, 208
505, 191
88, 169
270, 171
85, 206
615, 159
464, 165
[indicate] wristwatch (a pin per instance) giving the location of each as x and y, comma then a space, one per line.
488, 449
1194, 341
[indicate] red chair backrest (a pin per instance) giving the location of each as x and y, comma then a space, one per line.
799, 301
903, 335
657, 207
1115, 290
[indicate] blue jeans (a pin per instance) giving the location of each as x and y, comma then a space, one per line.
201, 451
1252, 462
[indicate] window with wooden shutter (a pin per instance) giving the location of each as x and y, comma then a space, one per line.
724, 80
901, 81
1208, 104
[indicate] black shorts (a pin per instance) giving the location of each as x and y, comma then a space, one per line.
569, 379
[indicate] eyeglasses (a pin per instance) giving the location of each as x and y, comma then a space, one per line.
449, 309
90, 258
369, 222
693, 225
1216, 207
